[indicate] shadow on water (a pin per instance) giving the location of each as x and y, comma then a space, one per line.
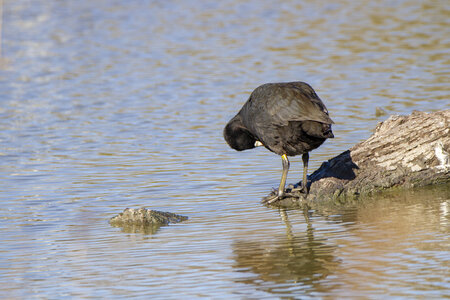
300, 257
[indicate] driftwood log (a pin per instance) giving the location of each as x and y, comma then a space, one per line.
404, 151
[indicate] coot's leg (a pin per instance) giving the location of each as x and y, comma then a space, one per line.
285, 161
280, 193
305, 158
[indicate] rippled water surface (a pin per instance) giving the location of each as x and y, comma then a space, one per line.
112, 104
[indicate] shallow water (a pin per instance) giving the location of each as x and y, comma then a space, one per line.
112, 104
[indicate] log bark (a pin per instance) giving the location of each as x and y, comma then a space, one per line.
404, 151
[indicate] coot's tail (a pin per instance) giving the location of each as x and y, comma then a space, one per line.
317, 129
326, 131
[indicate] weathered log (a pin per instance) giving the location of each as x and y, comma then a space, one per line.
404, 151
144, 220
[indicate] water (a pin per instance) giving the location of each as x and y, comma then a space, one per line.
112, 104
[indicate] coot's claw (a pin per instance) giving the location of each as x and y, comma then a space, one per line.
300, 189
273, 197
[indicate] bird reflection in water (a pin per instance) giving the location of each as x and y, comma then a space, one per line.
299, 260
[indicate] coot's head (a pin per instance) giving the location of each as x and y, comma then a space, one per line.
237, 136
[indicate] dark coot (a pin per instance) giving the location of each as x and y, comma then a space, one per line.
286, 118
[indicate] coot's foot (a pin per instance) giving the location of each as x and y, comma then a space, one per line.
271, 199
299, 188
274, 196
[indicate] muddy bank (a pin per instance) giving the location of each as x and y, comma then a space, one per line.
403, 152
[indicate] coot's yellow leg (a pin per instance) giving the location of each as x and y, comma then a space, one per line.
280, 193
305, 158
285, 161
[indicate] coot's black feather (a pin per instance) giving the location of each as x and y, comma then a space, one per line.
287, 118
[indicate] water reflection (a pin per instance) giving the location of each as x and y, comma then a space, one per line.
139, 229
350, 250
445, 213
302, 259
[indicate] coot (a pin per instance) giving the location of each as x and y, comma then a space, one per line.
287, 118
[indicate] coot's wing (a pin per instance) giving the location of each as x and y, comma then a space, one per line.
294, 101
